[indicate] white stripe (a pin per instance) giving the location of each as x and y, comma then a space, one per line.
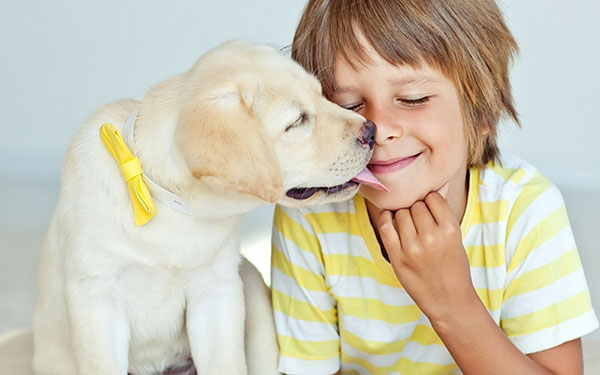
550, 250
490, 278
497, 190
498, 182
378, 330
344, 244
296, 255
558, 334
538, 210
304, 330
290, 365
485, 234
367, 288
288, 286
297, 215
539, 299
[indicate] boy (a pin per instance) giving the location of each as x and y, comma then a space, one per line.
468, 264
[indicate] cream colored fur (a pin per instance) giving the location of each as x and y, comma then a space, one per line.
240, 128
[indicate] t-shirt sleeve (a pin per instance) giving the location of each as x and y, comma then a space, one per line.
305, 312
546, 299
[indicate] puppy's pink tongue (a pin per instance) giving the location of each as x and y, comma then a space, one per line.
365, 177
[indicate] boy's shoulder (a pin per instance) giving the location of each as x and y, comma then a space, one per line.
518, 188
511, 176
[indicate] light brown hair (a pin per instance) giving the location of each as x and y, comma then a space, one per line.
467, 40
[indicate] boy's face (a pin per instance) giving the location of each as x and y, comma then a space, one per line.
420, 145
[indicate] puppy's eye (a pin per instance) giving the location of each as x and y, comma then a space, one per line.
301, 120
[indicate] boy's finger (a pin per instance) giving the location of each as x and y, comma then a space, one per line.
387, 232
439, 208
421, 217
406, 228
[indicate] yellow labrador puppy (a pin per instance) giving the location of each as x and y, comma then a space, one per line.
242, 127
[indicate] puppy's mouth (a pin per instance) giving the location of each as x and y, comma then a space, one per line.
303, 193
363, 177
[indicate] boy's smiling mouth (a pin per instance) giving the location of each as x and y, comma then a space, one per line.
392, 165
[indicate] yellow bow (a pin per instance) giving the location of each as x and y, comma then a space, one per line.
131, 169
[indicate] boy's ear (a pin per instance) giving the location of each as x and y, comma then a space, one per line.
485, 129
225, 145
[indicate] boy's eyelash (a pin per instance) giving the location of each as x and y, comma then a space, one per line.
415, 101
410, 102
354, 107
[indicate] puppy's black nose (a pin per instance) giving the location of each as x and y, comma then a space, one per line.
367, 134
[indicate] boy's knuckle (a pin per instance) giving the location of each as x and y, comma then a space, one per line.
451, 230
429, 239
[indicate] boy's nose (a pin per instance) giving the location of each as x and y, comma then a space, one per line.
367, 134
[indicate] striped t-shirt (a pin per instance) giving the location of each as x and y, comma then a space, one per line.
339, 306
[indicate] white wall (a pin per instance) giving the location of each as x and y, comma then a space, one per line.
556, 82
59, 60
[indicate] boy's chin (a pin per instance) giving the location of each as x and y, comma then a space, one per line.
394, 201
388, 201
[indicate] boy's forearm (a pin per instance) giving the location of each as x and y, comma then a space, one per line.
479, 346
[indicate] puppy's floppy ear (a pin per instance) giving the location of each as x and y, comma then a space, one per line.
224, 144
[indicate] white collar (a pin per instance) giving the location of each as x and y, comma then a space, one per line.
158, 192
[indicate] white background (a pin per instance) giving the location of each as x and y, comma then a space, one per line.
59, 60
62, 59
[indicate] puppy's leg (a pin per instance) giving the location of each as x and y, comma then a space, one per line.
259, 335
215, 326
99, 334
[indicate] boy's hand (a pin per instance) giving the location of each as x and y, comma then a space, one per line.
424, 245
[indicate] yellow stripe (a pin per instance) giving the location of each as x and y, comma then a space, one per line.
539, 234
515, 175
421, 334
308, 350
295, 233
569, 308
545, 275
347, 265
488, 256
535, 187
304, 277
493, 212
490, 212
302, 310
333, 222
403, 365
368, 308
491, 298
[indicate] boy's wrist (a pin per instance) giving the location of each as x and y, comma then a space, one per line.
465, 311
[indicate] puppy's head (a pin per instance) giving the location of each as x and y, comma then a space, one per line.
255, 122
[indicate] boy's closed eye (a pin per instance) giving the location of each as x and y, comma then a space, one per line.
414, 102
404, 101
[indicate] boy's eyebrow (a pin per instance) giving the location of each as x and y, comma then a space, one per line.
412, 80
394, 82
